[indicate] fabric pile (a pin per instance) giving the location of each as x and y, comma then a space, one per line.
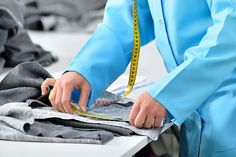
63, 15
25, 115
15, 44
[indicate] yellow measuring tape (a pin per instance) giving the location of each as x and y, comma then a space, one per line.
133, 66
135, 52
85, 114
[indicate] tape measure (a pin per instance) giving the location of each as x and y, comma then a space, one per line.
85, 114
135, 51
133, 66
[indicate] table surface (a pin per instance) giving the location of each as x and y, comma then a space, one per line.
66, 45
118, 147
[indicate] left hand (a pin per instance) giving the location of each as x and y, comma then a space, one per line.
147, 112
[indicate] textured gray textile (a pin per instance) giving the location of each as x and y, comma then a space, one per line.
114, 111
11, 16
11, 21
46, 113
9, 133
46, 129
67, 15
24, 83
21, 49
77, 124
20, 117
15, 44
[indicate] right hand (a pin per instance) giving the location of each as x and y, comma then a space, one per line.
60, 96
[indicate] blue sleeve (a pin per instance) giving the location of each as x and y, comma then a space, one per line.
205, 67
107, 53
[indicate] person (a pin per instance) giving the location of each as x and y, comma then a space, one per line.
197, 42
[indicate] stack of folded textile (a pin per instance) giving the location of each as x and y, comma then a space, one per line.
25, 115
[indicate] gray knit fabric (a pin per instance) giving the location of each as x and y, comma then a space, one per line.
31, 117
22, 82
114, 111
18, 123
15, 44
45, 113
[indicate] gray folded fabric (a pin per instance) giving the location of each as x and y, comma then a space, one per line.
11, 21
24, 83
18, 116
9, 133
46, 113
21, 49
113, 111
18, 123
118, 131
15, 44
11, 15
46, 129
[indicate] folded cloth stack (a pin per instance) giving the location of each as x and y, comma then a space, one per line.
27, 116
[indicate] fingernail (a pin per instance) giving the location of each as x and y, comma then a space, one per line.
83, 108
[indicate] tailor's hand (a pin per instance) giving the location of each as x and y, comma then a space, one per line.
60, 96
147, 112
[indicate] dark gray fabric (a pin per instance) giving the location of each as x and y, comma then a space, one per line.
46, 112
62, 14
15, 44
47, 129
77, 124
9, 133
11, 21
17, 122
11, 15
21, 49
22, 83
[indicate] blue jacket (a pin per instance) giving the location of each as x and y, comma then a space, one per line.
197, 40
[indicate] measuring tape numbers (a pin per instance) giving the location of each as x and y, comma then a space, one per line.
135, 51
133, 66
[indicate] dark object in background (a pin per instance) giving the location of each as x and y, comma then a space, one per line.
21, 49
62, 15
15, 44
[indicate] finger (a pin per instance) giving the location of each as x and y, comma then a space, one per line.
52, 98
149, 122
140, 119
134, 112
84, 98
58, 96
45, 85
157, 122
66, 100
